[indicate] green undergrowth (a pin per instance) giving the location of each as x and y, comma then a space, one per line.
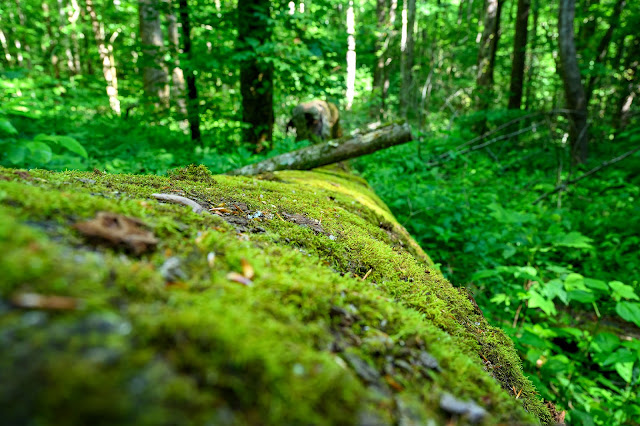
338, 316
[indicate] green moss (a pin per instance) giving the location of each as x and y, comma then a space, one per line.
309, 342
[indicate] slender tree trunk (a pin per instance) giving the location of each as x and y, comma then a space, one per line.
519, 54
631, 83
588, 24
389, 52
351, 56
407, 48
88, 58
73, 15
486, 57
22, 19
52, 46
532, 57
108, 66
63, 40
376, 110
154, 73
603, 47
178, 91
573, 89
256, 74
193, 114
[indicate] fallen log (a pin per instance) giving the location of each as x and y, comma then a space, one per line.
331, 152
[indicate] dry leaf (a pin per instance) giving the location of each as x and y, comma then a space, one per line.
119, 230
247, 269
40, 301
241, 279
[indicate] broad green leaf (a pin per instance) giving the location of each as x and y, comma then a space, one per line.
64, 141
596, 284
536, 300
17, 153
622, 291
555, 288
621, 355
629, 311
574, 281
572, 239
582, 296
40, 152
605, 342
7, 129
625, 370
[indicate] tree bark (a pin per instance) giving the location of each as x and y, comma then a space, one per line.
407, 47
154, 73
631, 83
108, 66
389, 52
530, 92
519, 54
351, 56
377, 104
178, 85
332, 152
193, 113
256, 74
573, 89
487, 54
52, 42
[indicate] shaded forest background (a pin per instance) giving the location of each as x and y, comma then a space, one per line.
522, 182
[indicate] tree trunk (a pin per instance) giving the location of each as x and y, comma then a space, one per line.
519, 54
52, 42
532, 57
73, 15
154, 73
351, 56
603, 47
573, 89
332, 152
256, 74
5, 47
108, 66
407, 48
63, 40
631, 83
389, 52
487, 53
178, 91
193, 113
377, 109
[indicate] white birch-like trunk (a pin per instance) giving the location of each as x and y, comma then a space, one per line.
5, 47
351, 56
106, 56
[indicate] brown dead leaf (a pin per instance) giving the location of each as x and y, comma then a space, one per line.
240, 279
41, 301
393, 383
247, 269
118, 230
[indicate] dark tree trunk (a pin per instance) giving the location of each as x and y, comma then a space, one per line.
603, 47
487, 57
256, 74
154, 73
573, 89
519, 54
193, 113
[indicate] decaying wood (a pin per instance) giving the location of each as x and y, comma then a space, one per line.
332, 152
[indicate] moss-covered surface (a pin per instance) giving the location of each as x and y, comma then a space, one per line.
344, 320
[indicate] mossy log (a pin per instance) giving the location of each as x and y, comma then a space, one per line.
333, 151
292, 299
